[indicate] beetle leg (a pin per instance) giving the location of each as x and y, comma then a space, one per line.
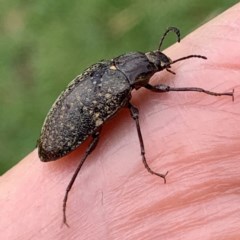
135, 115
165, 88
90, 148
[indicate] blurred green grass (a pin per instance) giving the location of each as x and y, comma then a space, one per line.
45, 44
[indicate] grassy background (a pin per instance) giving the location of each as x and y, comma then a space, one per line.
45, 44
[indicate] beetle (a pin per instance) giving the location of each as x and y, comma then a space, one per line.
98, 94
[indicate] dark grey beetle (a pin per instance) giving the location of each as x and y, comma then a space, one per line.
95, 96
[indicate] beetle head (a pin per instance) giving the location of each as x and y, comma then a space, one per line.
160, 60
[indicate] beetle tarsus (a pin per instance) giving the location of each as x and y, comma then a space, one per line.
135, 115
165, 88
90, 148
233, 95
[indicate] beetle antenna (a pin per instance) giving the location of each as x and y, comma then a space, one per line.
170, 29
190, 56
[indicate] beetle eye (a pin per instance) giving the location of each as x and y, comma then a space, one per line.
164, 60
163, 64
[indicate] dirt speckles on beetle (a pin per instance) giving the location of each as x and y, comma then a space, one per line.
98, 94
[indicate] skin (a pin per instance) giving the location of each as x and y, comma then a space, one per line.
192, 135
